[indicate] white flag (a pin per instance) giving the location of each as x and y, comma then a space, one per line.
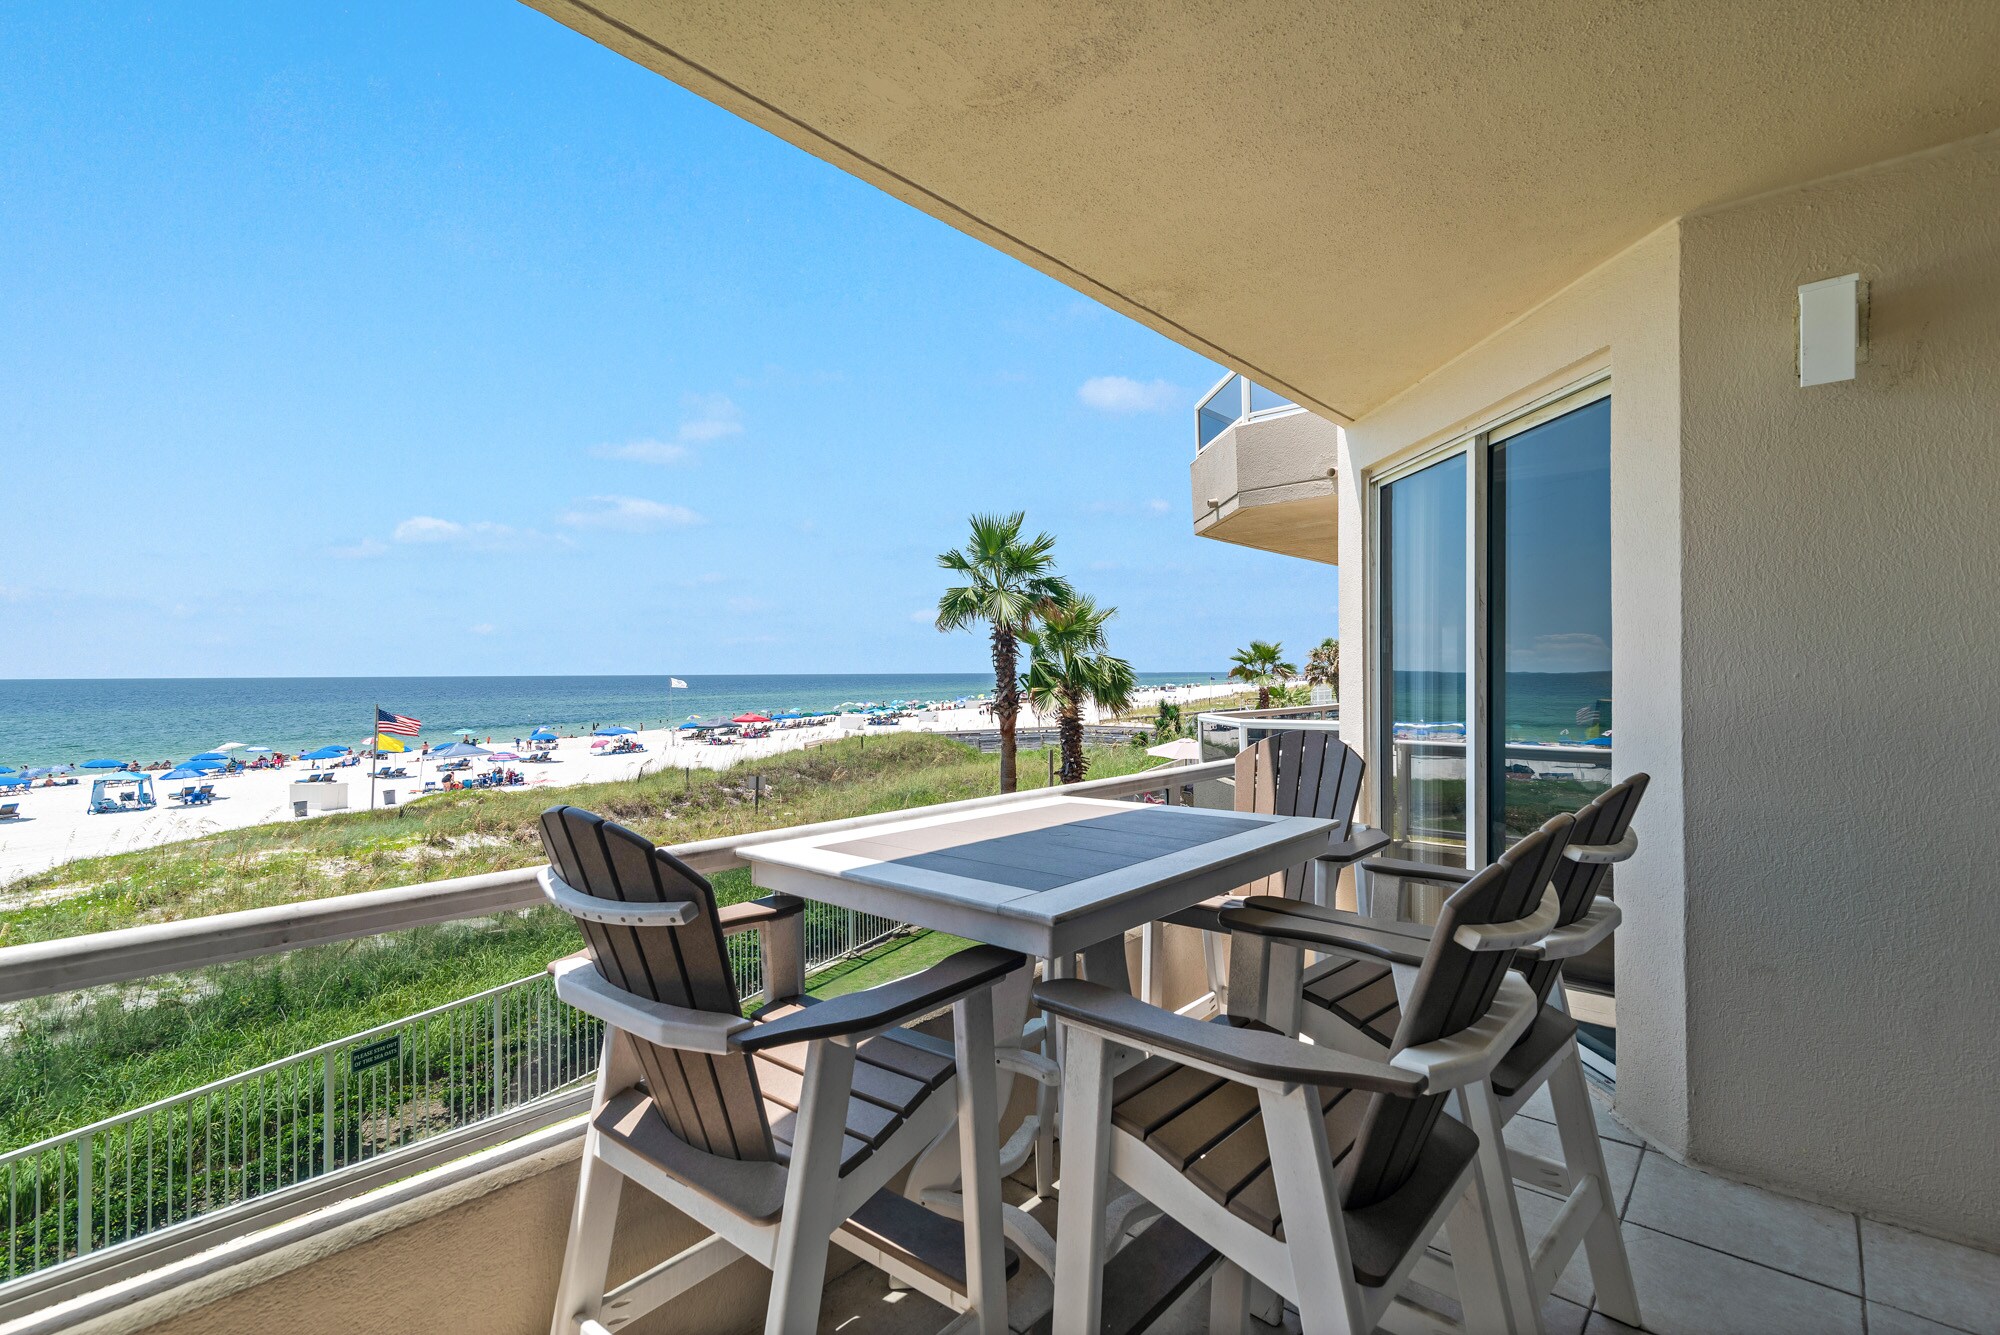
676, 684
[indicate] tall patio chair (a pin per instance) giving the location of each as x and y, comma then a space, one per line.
1314, 1171
1299, 772
1361, 991
778, 1134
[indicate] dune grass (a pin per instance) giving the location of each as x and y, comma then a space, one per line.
72, 1059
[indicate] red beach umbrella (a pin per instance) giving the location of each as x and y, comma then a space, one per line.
750, 718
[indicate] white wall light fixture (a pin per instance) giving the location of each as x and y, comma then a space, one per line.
1833, 329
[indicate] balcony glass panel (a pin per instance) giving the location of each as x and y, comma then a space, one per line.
1219, 410
1264, 400
1424, 659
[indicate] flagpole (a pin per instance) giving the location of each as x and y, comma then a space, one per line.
374, 761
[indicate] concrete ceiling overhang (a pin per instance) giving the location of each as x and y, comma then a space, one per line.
1335, 198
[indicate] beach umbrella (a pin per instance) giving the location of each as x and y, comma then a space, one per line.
211, 755
13, 781
325, 753
1187, 748
786, 714
234, 746
694, 727
182, 772
453, 750
751, 718
6, 769
614, 731
43, 771
201, 765
503, 755
102, 763
257, 750
542, 735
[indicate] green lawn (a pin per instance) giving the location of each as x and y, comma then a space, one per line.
72, 1059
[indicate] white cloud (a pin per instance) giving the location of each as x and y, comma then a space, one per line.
1122, 394
475, 535
644, 452
709, 417
1158, 506
927, 615
747, 605
632, 514
362, 550
483, 628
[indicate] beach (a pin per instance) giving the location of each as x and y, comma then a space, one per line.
56, 825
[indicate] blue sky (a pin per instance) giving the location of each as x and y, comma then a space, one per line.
437, 339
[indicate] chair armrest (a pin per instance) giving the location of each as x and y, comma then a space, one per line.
1318, 928
1617, 852
1356, 846
1583, 934
579, 984
1471, 1054
1252, 1055
749, 913
613, 912
1418, 871
879, 1008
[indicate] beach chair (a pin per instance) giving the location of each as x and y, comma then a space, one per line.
1318, 1172
10, 810
1360, 992
777, 1134
1295, 773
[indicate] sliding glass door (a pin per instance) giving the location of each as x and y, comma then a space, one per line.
1548, 708
1423, 630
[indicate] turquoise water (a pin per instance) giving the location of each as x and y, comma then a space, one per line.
63, 722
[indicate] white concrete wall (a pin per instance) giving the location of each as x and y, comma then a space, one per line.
1841, 616
1621, 316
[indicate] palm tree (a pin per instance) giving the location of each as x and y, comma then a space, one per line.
1323, 665
1262, 665
1010, 581
1167, 725
1068, 665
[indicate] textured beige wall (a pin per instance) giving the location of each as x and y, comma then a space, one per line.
1620, 316
1841, 567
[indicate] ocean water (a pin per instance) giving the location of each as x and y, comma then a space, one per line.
64, 722
1540, 706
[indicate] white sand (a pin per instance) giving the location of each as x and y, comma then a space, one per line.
56, 825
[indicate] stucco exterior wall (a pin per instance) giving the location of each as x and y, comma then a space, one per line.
1841, 595
1621, 316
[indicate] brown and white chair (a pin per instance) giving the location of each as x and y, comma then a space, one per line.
1316, 1172
1362, 992
1298, 772
778, 1134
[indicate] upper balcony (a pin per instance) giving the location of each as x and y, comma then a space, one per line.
1265, 472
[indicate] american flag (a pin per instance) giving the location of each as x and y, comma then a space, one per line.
400, 724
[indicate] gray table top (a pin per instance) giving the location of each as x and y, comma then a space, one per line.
1046, 875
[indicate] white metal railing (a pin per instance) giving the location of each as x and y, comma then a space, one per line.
276, 1135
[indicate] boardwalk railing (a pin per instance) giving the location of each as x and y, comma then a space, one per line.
342, 1117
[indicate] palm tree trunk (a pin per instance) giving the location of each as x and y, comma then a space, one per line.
1006, 701
1263, 696
1070, 731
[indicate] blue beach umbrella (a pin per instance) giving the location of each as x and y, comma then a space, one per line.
200, 766
694, 727
325, 753
13, 781
614, 731
459, 749
104, 764
211, 755
542, 735
786, 714
6, 769
181, 772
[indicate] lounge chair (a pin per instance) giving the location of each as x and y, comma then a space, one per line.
1317, 1172
1362, 991
1294, 773
776, 1133
10, 811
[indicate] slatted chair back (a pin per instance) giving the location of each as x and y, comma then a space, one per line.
1299, 772
1453, 989
712, 1102
1606, 819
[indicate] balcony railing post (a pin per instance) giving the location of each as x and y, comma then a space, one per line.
83, 1194
498, 1002
326, 1114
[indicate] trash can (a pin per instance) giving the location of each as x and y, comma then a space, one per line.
298, 808
388, 797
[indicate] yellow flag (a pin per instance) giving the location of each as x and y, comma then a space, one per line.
384, 742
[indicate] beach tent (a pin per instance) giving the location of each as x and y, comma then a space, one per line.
751, 718
614, 731
455, 749
326, 753
104, 764
542, 735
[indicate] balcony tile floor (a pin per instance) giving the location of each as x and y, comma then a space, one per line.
1710, 1257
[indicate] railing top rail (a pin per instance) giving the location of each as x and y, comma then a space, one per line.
1276, 711
67, 964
